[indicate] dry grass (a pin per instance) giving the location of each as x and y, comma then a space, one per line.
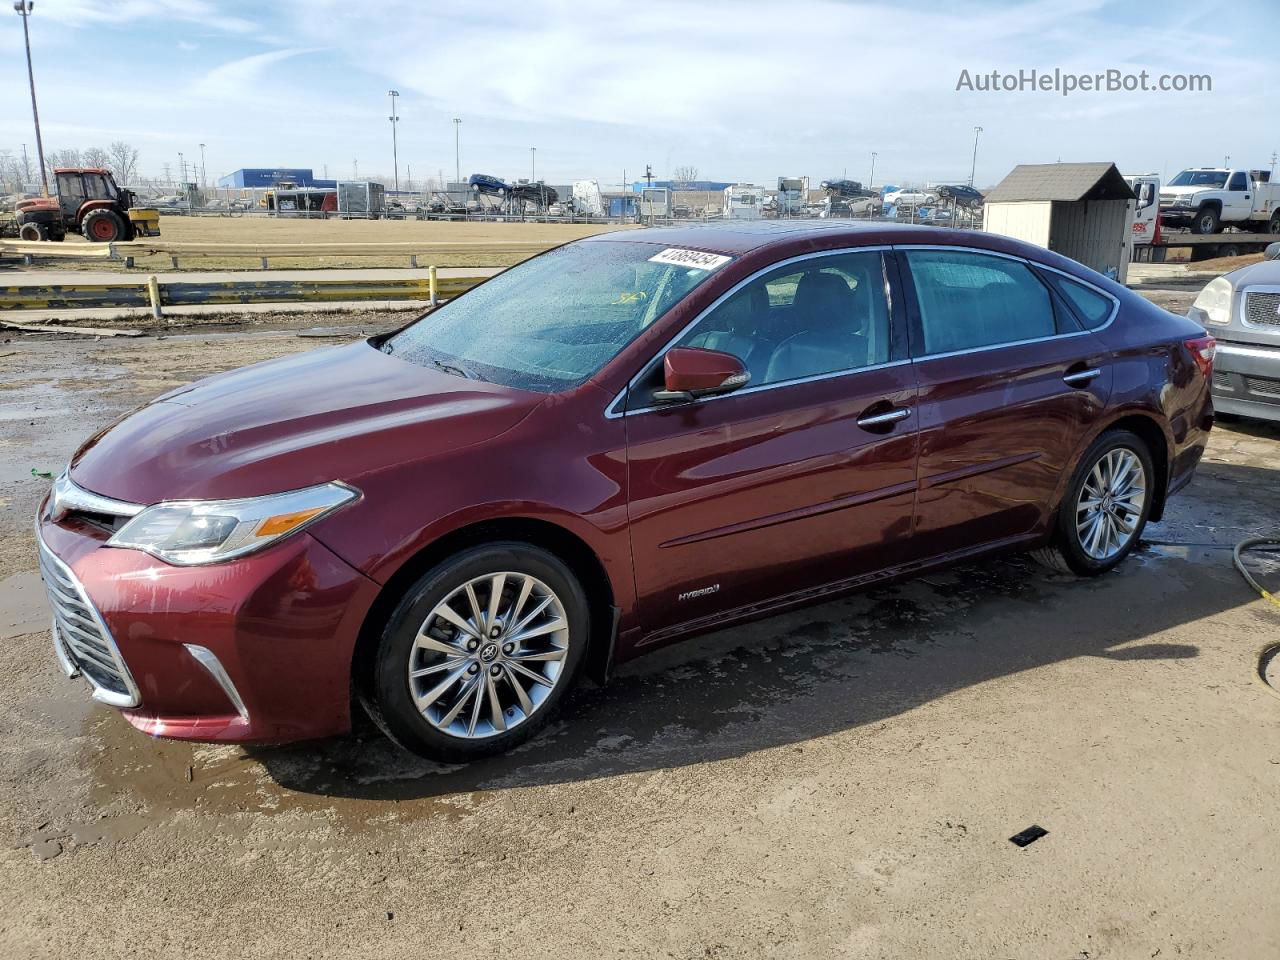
264, 230
1226, 264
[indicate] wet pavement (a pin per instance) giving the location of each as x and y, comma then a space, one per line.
838, 781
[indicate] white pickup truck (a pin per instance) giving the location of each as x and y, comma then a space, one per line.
1208, 198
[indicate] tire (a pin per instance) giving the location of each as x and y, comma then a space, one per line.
1206, 220
1071, 549
476, 710
33, 232
1228, 250
1273, 225
102, 226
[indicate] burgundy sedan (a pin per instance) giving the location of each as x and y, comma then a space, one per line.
614, 445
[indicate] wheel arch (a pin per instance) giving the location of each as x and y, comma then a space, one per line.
563, 543
1152, 432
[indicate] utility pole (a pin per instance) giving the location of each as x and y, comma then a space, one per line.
395, 154
974, 169
203, 181
872, 181
648, 175
24, 11
533, 164
1273, 162
182, 168
1226, 161
355, 169
457, 150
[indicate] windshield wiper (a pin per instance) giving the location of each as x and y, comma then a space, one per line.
454, 369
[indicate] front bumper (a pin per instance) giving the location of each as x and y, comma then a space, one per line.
257, 649
1246, 380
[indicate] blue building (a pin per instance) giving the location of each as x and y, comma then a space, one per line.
715, 185
260, 177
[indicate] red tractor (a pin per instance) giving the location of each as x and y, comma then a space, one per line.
89, 203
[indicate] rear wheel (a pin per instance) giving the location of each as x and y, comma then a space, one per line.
480, 652
1273, 225
1105, 508
102, 226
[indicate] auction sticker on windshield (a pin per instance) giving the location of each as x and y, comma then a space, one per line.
690, 258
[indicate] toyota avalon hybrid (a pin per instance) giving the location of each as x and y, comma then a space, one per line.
619, 443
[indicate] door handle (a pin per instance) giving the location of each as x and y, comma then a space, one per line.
1081, 377
882, 419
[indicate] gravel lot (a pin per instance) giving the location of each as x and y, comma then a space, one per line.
841, 781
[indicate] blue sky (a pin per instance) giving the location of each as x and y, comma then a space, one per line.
745, 90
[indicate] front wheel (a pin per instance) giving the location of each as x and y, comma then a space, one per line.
1105, 508
480, 652
1206, 221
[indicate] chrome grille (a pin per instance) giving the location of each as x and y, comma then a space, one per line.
80, 635
1262, 309
1262, 385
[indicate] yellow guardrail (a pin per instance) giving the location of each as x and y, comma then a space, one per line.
436, 249
150, 293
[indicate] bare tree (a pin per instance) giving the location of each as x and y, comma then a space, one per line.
124, 161
96, 157
10, 172
685, 173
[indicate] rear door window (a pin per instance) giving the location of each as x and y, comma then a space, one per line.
1093, 308
972, 300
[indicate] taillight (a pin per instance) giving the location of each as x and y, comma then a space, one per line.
1202, 349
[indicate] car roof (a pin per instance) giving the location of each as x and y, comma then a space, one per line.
742, 236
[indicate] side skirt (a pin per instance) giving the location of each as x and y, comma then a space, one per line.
811, 595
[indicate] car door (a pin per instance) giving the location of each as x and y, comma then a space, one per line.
1009, 385
1239, 197
805, 476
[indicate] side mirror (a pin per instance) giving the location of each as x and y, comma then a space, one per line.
691, 372
1272, 252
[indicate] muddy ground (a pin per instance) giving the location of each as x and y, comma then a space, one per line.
841, 781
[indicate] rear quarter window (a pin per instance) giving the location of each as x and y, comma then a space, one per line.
1092, 307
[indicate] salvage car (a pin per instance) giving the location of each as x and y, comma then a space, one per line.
622, 442
1242, 309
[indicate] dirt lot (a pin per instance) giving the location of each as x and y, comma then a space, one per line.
837, 782
267, 230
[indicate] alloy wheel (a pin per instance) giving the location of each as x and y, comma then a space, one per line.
488, 655
1110, 505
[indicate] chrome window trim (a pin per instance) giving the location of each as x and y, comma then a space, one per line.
1115, 301
613, 411
1243, 315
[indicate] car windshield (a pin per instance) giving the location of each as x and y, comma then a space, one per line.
553, 321
1199, 178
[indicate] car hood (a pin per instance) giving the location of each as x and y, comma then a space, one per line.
1186, 191
1265, 271
338, 413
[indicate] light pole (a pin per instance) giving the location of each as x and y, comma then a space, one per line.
872, 182
533, 164
974, 169
182, 168
24, 10
457, 152
204, 183
395, 154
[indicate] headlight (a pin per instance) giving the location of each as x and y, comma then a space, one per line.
188, 532
1214, 303
1182, 202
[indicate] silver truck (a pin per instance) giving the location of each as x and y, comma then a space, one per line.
1242, 311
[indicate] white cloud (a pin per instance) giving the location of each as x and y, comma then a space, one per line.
87, 13
239, 79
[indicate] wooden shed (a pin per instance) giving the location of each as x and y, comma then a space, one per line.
1080, 210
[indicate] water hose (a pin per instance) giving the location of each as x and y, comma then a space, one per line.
1268, 650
